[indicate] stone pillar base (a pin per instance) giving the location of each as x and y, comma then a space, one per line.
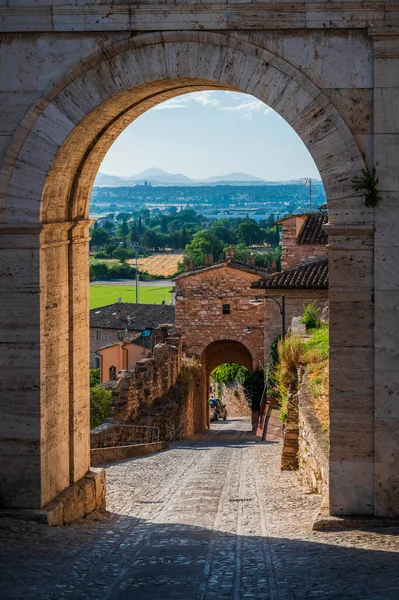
326, 522
77, 501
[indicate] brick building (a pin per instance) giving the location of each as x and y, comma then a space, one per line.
303, 238
300, 285
212, 305
117, 322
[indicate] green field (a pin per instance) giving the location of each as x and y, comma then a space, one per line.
101, 295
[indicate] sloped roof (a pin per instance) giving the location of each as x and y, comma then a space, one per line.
311, 231
310, 275
233, 264
134, 317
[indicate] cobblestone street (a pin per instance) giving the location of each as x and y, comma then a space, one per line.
211, 518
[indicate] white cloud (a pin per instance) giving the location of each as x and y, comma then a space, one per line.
247, 108
217, 100
172, 103
206, 98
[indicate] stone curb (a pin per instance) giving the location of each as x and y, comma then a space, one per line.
100, 456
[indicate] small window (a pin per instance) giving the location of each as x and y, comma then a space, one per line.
98, 335
121, 335
98, 363
226, 309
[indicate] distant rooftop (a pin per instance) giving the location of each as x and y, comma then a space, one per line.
233, 264
312, 229
311, 275
134, 317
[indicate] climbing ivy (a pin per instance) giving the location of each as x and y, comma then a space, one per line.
367, 183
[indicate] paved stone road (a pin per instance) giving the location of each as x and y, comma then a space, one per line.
209, 519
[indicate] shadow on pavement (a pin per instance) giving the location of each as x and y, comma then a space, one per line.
125, 558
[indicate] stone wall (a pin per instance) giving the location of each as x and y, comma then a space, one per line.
233, 396
199, 310
160, 392
181, 413
305, 444
289, 453
313, 446
151, 379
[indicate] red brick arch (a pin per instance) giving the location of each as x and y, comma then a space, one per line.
225, 351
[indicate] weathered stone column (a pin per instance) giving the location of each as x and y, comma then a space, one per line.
351, 369
20, 461
54, 360
386, 152
44, 399
79, 349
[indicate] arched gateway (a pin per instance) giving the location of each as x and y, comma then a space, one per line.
47, 176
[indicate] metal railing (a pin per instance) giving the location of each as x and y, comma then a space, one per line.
125, 435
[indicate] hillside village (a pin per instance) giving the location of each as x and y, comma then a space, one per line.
212, 312
200, 376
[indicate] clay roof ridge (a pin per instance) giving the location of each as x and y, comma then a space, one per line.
312, 230
311, 274
235, 264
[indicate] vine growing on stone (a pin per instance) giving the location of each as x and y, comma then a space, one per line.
367, 183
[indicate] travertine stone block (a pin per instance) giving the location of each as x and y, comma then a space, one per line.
351, 487
60, 94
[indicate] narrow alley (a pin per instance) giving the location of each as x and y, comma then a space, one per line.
210, 519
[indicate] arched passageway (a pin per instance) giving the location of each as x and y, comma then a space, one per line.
225, 351
218, 353
47, 178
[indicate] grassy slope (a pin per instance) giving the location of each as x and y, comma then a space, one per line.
101, 295
317, 357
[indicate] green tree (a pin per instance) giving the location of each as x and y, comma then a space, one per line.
98, 270
203, 246
253, 383
123, 216
122, 254
100, 405
250, 233
226, 373
94, 377
223, 233
99, 237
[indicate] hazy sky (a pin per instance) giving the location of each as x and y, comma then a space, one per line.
211, 133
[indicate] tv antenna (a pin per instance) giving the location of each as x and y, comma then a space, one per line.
308, 181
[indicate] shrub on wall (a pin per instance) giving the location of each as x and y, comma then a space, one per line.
253, 383
94, 377
226, 373
311, 316
100, 405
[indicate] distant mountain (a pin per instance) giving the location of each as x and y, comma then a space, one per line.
233, 177
158, 177
161, 177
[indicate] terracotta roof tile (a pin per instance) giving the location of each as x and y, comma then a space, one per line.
233, 264
134, 317
312, 232
311, 275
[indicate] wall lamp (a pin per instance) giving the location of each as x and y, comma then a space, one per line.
280, 301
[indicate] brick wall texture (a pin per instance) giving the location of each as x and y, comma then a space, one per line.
294, 253
199, 310
159, 392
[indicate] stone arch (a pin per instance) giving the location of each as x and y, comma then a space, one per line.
225, 351
45, 188
217, 353
56, 153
